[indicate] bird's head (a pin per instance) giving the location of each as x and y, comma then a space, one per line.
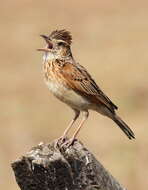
58, 43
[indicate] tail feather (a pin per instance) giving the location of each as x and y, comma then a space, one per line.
124, 127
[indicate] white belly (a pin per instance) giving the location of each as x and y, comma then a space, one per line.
68, 96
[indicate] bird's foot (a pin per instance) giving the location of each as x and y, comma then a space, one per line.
60, 141
68, 143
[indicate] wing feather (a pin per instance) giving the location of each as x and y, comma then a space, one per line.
77, 78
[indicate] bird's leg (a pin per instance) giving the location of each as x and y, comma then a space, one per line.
85, 116
62, 138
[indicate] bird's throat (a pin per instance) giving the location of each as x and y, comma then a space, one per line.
49, 56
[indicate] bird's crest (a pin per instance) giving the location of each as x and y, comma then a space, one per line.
61, 35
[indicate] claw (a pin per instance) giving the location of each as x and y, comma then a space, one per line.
68, 143
60, 141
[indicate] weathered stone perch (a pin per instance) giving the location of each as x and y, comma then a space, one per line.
75, 168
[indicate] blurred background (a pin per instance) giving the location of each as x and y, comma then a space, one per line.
110, 38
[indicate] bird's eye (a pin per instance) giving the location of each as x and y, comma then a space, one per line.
60, 43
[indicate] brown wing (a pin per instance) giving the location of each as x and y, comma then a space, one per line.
76, 77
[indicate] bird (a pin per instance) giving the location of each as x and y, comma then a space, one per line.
71, 83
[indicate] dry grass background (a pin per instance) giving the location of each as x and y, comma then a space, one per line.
111, 41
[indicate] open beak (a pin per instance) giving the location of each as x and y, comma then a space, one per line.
49, 44
43, 49
45, 37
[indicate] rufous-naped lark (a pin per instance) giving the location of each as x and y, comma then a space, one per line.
72, 84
